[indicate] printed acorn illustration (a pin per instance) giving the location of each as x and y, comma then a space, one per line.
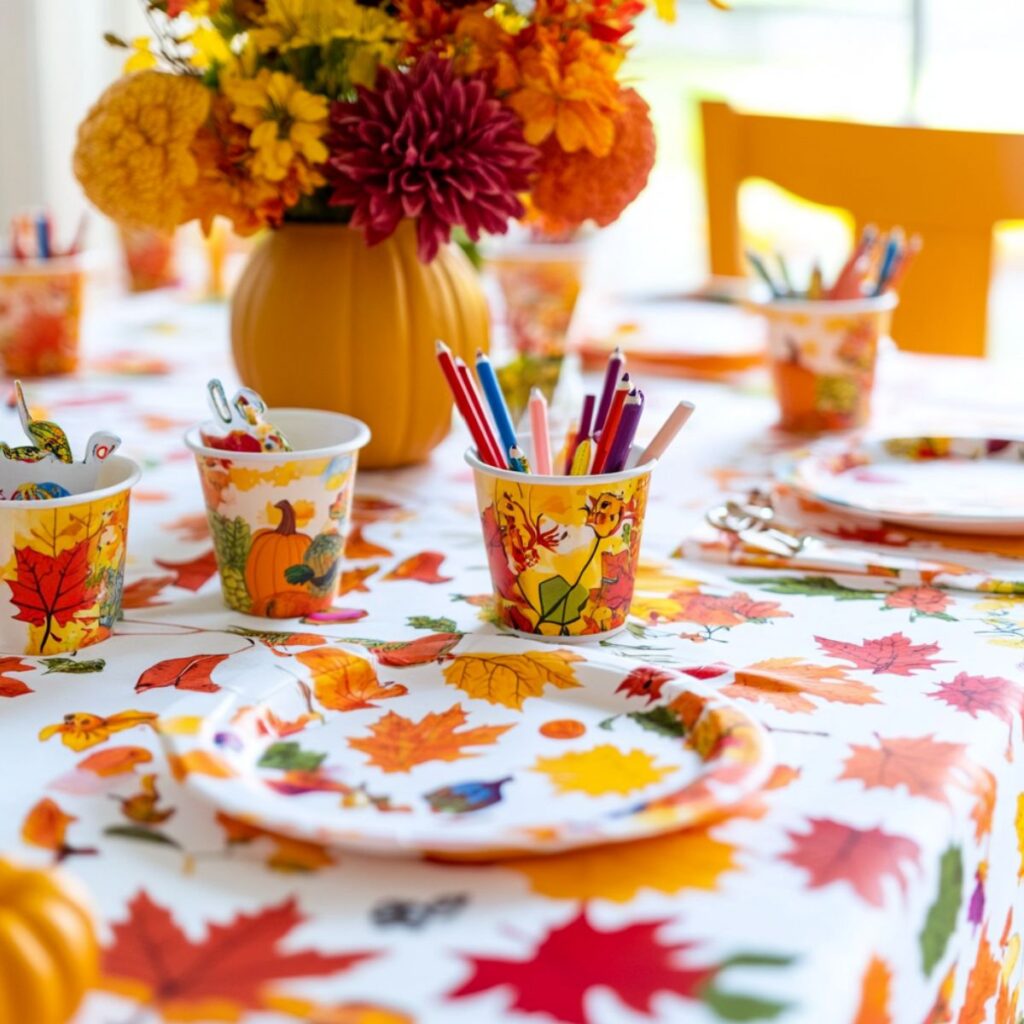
465, 797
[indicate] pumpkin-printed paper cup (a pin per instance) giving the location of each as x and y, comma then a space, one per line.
40, 316
279, 519
822, 357
64, 570
562, 550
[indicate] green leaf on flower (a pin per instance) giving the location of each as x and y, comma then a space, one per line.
442, 625
940, 922
808, 586
73, 665
661, 720
561, 602
291, 757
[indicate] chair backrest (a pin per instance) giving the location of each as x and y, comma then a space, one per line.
950, 187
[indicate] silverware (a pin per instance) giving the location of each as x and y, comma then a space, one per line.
753, 521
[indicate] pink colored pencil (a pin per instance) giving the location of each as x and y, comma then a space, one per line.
540, 432
667, 434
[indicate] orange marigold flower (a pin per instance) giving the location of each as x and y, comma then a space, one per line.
571, 188
134, 156
563, 87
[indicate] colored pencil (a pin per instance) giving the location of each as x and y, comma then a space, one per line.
910, 250
496, 401
612, 373
667, 433
451, 373
583, 431
611, 424
814, 289
784, 272
517, 459
582, 458
762, 272
539, 430
623, 442
847, 278
893, 249
491, 445
43, 249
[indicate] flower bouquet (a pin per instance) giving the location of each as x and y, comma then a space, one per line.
393, 121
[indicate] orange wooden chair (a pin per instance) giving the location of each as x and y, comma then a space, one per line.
951, 187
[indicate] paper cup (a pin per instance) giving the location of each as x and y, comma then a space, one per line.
40, 317
822, 357
563, 551
64, 571
149, 258
279, 519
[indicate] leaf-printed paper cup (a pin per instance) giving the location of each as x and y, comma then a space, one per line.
562, 550
279, 519
64, 571
822, 357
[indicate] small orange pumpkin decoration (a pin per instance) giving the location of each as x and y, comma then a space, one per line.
272, 552
49, 955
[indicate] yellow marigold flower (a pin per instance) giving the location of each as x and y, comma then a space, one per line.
133, 156
287, 123
209, 47
566, 88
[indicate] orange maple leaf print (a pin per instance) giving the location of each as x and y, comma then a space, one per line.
875, 986
346, 682
922, 764
398, 743
788, 683
981, 986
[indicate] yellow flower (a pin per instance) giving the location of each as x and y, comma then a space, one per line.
81, 730
133, 156
142, 56
209, 46
293, 24
287, 123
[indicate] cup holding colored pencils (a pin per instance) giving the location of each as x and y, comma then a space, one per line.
41, 288
562, 547
823, 340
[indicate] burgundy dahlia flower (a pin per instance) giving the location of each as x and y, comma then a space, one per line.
432, 147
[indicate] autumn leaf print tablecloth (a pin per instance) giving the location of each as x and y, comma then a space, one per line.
874, 880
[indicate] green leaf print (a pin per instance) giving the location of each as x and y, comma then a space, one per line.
73, 665
442, 625
942, 914
560, 601
808, 586
291, 757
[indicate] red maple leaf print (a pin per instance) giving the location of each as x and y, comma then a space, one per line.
191, 673
894, 655
9, 686
577, 957
49, 590
993, 694
645, 681
503, 577
155, 962
616, 590
421, 651
833, 852
422, 567
191, 575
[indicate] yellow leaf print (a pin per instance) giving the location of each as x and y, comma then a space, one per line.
668, 864
509, 679
1020, 833
605, 769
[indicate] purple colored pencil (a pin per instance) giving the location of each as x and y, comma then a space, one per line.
612, 373
582, 432
623, 442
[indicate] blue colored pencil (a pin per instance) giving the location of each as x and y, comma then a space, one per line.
892, 250
43, 237
496, 401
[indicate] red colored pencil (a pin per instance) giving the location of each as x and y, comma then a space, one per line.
849, 278
491, 444
611, 424
462, 403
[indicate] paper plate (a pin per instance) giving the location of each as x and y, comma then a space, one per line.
486, 753
953, 484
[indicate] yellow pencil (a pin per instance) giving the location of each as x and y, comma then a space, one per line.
581, 458
814, 289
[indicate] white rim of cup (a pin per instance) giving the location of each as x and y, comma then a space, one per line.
827, 307
360, 440
133, 477
558, 480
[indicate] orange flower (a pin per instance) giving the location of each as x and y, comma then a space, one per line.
564, 88
571, 188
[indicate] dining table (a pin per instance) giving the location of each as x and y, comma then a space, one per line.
874, 878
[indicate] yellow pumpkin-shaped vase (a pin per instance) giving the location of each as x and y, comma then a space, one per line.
272, 553
320, 320
49, 956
